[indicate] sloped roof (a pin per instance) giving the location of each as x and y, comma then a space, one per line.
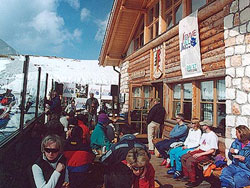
6, 49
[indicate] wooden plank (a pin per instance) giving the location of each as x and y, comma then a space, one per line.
214, 52
212, 40
217, 58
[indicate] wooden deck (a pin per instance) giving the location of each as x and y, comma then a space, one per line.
166, 180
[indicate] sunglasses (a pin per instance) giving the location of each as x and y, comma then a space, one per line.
51, 150
138, 168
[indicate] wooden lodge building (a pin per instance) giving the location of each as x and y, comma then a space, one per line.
143, 38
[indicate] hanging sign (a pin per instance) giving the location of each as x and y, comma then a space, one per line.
158, 62
190, 55
69, 89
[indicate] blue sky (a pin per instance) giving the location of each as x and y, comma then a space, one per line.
63, 28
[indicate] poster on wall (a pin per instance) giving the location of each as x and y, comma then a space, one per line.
69, 89
106, 93
190, 55
94, 89
158, 61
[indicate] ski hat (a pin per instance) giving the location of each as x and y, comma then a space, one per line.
207, 123
103, 118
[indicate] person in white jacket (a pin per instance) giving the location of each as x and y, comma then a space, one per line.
191, 142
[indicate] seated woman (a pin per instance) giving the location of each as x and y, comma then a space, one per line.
238, 173
191, 142
79, 158
49, 169
143, 172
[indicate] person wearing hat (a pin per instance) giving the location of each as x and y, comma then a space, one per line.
99, 138
207, 146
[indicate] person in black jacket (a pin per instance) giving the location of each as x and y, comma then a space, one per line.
55, 107
155, 119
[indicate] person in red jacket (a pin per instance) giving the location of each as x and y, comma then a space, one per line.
82, 122
143, 171
79, 158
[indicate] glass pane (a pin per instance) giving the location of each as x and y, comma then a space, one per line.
136, 43
136, 91
141, 39
178, 14
30, 106
147, 91
221, 115
169, 20
196, 4
176, 108
187, 91
157, 10
156, 28
146, 103
207, 91
42, 93
177, 91
187, 110
168, 4
221, 89
136, 103
206, 112
150, 15
11, 85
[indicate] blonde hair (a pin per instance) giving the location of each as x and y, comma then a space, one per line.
52, 139
196, 122
244, 133
137, 157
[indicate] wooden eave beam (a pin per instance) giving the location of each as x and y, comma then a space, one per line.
132, 9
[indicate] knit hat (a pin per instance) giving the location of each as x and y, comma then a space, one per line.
103, 118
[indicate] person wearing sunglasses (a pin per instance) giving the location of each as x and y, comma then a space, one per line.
137, 160
49, 170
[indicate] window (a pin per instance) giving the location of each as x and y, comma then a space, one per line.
196, 4
153, 21
141, 103
213, 100
182, 100
139, 36
173, 12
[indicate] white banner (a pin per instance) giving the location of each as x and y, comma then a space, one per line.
94, 89
190, 55
69, 89
106, 92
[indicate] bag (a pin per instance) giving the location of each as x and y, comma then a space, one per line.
176, 144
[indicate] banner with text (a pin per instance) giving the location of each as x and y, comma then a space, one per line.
190, 55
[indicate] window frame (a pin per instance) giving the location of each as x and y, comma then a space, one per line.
153, 26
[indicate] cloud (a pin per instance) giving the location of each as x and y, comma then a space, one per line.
74, 3
101, 24
84, 14
35, 28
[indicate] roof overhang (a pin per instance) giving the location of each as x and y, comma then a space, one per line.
123, 20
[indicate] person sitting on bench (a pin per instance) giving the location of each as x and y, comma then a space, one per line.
238, 173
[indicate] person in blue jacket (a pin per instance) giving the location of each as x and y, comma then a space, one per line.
99, 138
237, 174
178, 133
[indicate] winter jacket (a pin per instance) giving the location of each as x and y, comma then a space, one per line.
156, 114
45, 175
55, 105
179, 132
243, 152
98, 138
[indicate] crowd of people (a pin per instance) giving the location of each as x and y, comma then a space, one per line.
70, 147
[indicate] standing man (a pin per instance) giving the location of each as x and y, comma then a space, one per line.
92, 105
55, 107
155, 119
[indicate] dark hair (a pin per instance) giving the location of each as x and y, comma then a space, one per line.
71, 114
72, 121
82, 118
76, 135
181, 115
54, 126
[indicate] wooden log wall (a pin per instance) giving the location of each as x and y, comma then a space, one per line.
212, 45
140, 63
